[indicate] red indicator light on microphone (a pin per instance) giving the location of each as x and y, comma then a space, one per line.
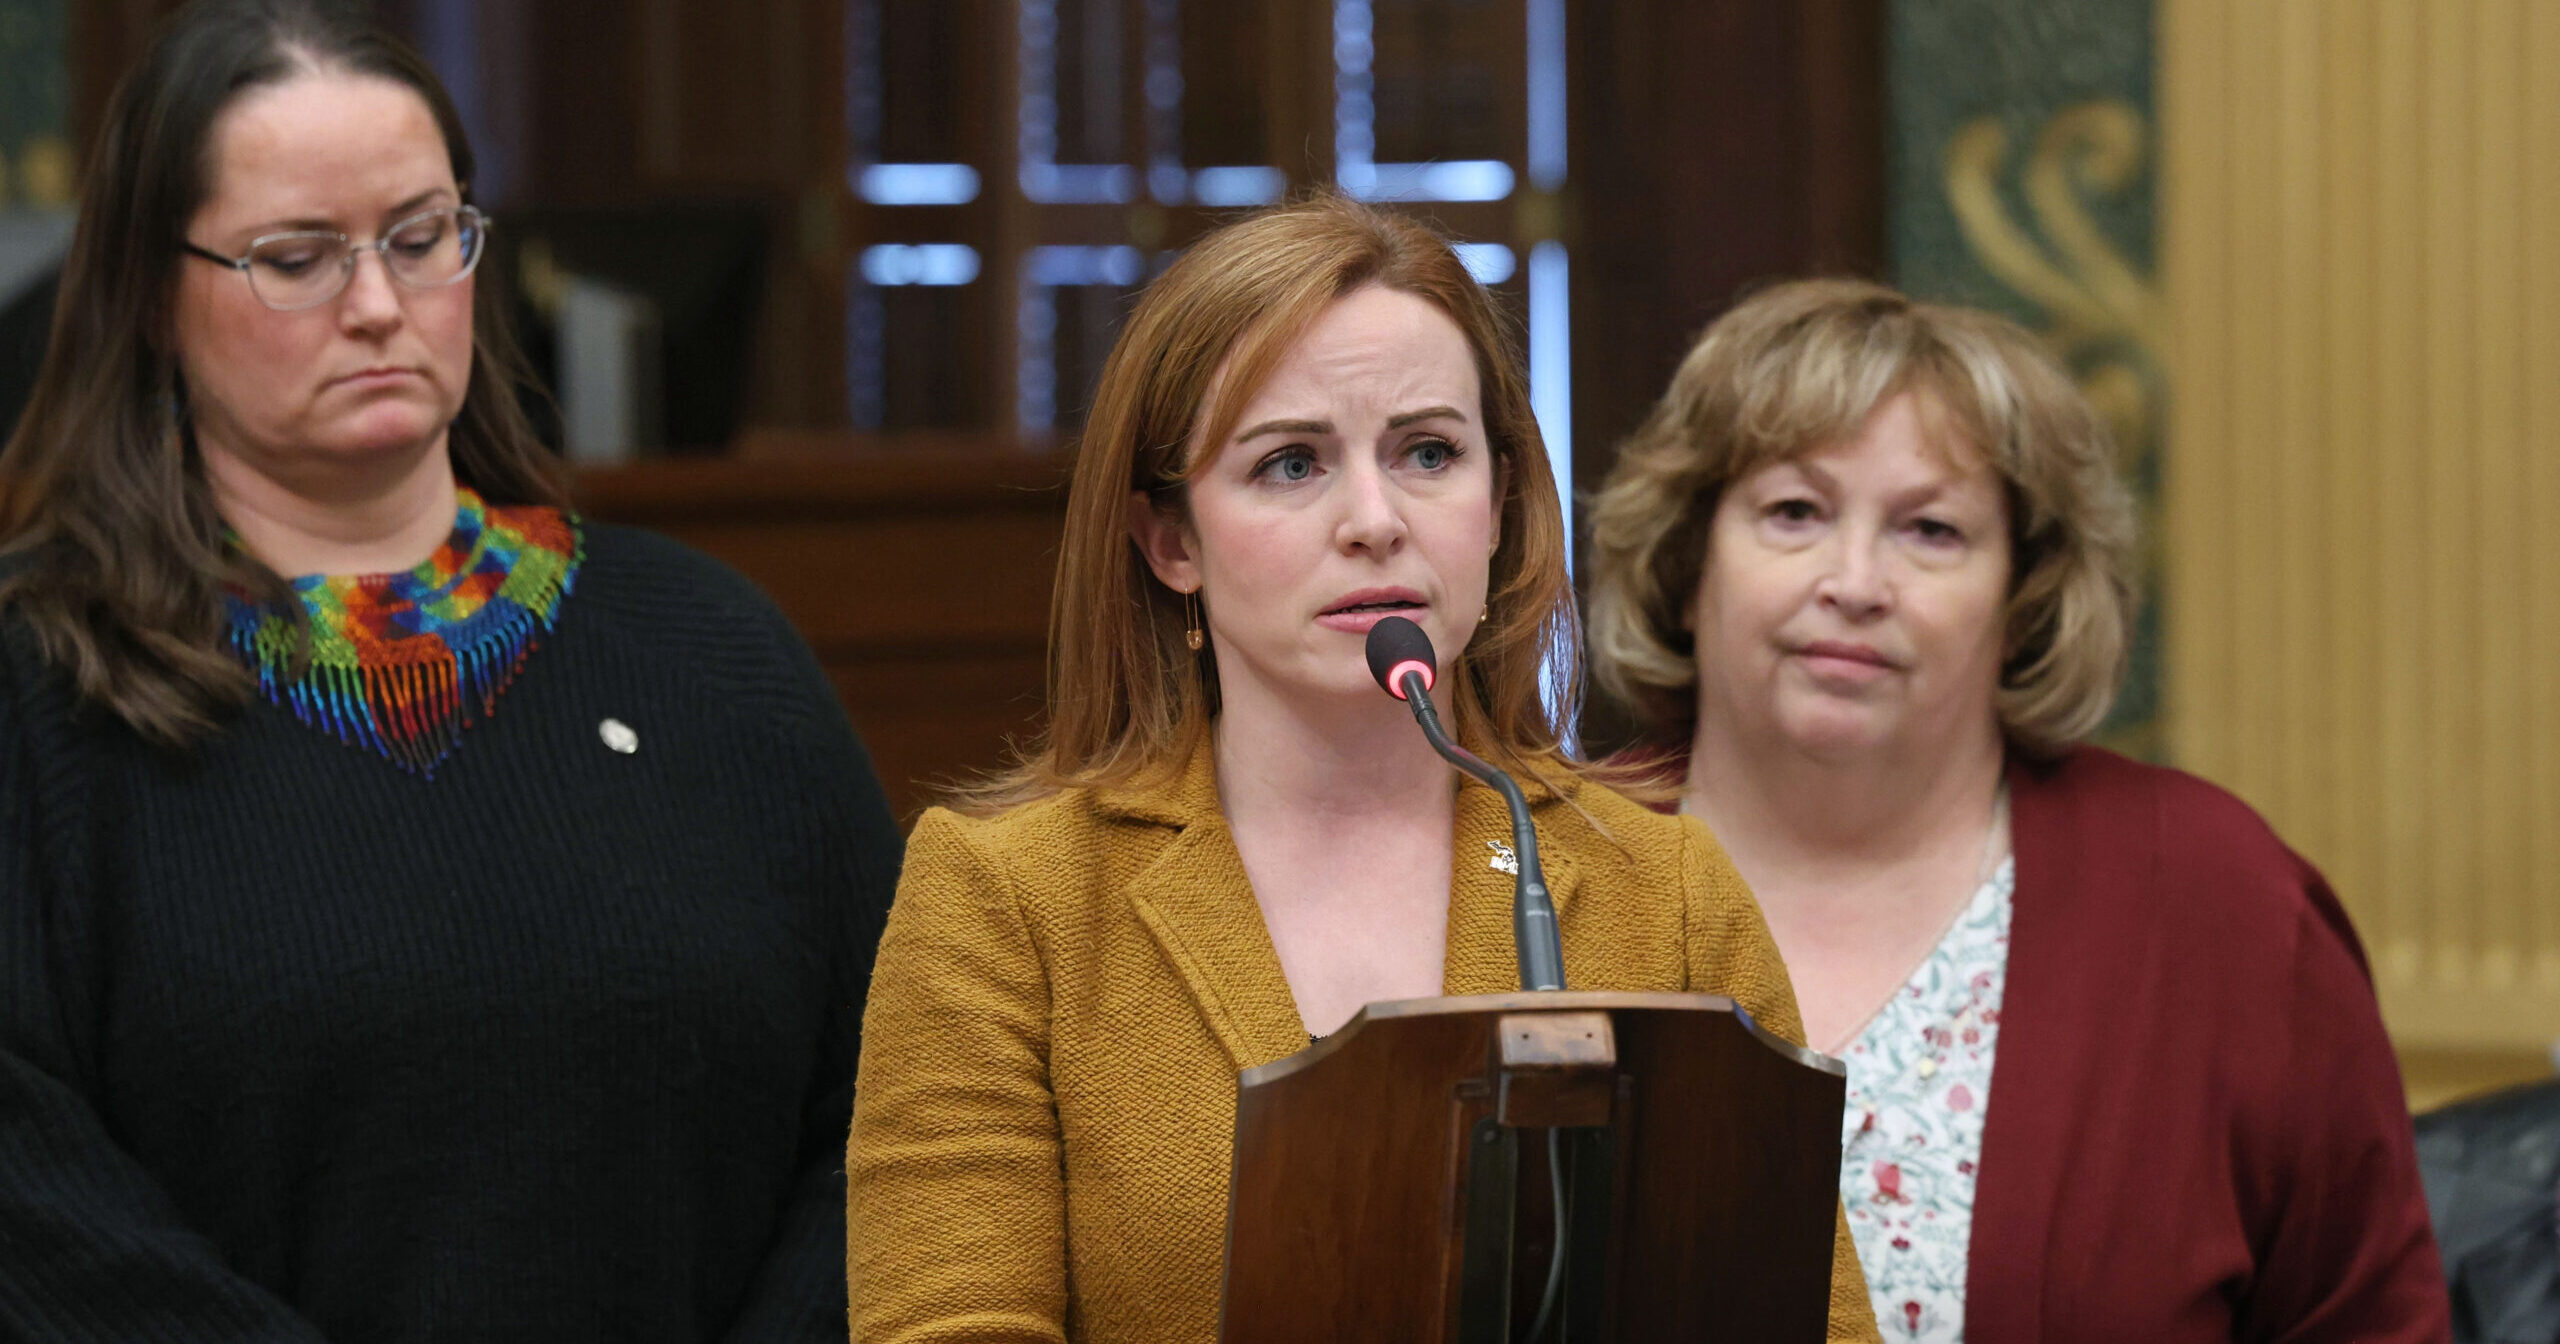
1396, 648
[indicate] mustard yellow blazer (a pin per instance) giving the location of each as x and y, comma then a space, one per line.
1067, 992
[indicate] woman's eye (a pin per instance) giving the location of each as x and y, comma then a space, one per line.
1289, 464
289, 261
1936, 532
417, 244
1794, 511
1433, 454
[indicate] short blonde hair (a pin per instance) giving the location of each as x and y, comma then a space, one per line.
1805, 364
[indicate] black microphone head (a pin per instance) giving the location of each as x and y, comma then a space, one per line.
1398, 646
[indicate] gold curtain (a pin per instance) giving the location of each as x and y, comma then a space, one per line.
2361, 245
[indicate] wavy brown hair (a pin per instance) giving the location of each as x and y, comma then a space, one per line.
119, 558
1126, 694
1804, 364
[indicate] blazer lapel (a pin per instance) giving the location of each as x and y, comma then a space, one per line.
1197, 903
1482, 956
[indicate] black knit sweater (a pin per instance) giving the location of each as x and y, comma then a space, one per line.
555, 1046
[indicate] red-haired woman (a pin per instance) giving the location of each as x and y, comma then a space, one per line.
1229, 839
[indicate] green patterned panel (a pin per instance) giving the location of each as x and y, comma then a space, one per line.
2022, 144
35, 153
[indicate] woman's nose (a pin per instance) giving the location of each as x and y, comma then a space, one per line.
1372, 515
1853, 580
372, 297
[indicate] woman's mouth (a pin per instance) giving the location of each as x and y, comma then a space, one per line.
1839, 660
1357, 612
376, 377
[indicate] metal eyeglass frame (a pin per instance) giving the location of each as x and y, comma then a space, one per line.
469, 216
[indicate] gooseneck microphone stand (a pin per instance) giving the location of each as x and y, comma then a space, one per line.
1377, 1189
1401, 657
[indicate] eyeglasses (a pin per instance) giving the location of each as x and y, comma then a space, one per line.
292, 271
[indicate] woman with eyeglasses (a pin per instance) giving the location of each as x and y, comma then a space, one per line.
424, 914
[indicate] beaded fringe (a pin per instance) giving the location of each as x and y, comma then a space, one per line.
412, 711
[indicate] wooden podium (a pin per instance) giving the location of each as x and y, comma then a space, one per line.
1392, 1181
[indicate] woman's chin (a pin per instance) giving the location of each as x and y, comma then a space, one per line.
385, 432
1839, 733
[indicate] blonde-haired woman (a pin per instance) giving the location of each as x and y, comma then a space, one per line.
1866, 575
1229, 839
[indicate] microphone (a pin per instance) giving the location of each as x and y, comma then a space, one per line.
1400, 657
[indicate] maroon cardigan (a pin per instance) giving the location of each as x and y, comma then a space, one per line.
2196, 1129
2196, 1132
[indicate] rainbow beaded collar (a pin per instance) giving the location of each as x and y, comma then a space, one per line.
403, 663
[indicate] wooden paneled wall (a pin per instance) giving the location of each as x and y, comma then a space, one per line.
917, 568
2362, 231
1717, 145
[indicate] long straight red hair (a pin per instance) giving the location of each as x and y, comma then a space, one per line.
1127, 695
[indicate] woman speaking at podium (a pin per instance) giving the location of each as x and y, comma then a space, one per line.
1228, 839
2115, 1068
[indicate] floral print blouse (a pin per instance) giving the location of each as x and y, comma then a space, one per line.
1919, 1085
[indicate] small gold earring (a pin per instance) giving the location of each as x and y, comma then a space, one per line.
1193, 635
1482, 615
